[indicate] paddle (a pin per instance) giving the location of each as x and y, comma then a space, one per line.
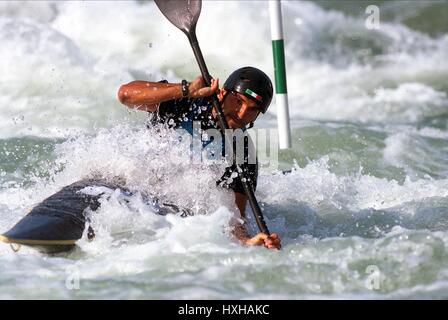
184, 14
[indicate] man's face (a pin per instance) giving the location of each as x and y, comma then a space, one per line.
239, 110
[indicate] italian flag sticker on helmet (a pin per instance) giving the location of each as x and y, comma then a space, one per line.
253, 95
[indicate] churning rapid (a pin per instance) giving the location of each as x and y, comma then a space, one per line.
363, 213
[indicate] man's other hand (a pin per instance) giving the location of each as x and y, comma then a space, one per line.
198, 89
269, 241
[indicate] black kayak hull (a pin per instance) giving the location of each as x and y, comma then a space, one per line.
58, 222
55, 224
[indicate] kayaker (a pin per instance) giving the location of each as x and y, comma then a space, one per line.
246, 93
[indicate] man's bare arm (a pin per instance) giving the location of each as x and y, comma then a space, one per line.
146, 96
142, 95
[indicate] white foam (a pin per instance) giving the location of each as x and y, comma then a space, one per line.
42, 11
139, 157
331, 80
433, 133
319, 187
396, 145
54, 91
80, 52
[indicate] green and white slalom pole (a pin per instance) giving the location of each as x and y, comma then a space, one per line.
284, 131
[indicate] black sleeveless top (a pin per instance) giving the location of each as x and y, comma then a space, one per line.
180, 114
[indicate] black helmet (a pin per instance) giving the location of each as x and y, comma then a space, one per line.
253, 83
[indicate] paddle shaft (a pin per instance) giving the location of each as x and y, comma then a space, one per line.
224, 125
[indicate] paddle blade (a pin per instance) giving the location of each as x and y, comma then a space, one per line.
184, 14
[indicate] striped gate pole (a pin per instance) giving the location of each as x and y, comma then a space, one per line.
284, 131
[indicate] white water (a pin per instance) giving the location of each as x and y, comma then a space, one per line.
371, 187
62, 62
